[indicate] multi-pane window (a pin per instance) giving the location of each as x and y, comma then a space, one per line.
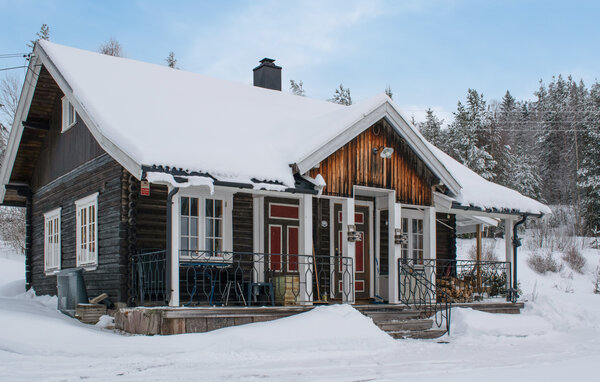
52, 240
201, 226
412, 249
214, 225
69, 117
189, 224
417, 240
87, 231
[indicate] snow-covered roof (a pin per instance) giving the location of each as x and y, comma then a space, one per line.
478, 192
145, 114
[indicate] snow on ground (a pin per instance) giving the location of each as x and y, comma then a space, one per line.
556, 338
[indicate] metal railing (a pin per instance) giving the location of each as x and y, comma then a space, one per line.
247, 278
148, 278
242, 278
417, 289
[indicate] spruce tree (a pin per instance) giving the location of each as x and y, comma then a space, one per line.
432, 129
42, 34
171, 61
342, 96
297, 88
589, 170
468, 136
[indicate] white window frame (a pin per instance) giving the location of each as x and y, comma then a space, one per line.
227, 229
67, 106
410, 215
52, 242
91, 260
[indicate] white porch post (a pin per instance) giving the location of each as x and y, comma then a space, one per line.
175, 210
430, 233
305, 263
395, 250
508, 222
348, 250
429, 249
258, 267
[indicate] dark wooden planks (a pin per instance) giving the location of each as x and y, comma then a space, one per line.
243, 238
102, 175
445, 236
355, 164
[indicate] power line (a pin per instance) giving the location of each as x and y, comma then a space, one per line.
14, 55
14, 67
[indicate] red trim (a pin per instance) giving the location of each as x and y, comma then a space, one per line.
292, 243
275, 247
283, 211
359, 218
359, 286
360, 255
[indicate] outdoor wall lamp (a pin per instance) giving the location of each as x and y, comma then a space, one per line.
384, 152
399, 237
352, 234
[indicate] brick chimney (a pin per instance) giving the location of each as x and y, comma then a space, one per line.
267, 74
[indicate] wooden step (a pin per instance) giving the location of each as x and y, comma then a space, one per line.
417, 334
393, 316
411, 325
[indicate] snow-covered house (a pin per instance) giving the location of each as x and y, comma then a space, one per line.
169, 187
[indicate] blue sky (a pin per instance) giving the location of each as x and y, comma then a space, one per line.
429, 52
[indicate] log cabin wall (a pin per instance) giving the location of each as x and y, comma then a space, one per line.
102, 175
242, 216
355, 164
445, 236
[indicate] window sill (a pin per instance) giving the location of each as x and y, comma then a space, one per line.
51, 272
88, 268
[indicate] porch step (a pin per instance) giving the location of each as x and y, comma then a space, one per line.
393, 316
401, 321
406, 325
417, 334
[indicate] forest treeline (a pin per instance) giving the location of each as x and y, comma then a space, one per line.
547, 148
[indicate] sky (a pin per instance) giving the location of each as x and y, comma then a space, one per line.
428, 52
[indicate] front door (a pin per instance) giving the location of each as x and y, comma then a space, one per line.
362, 262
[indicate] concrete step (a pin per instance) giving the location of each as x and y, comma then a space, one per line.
417, 334
411, 325
393, 316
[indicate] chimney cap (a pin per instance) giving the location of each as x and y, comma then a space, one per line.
267, 62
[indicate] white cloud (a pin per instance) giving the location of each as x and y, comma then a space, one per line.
298, 35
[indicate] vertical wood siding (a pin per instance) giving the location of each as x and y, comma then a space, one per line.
355, 164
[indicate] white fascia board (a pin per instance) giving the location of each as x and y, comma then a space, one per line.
107, 145
441, 202
495, 215
16, 131
400, 125
340, 140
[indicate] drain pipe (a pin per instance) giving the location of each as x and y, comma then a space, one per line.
168, 259
513, 293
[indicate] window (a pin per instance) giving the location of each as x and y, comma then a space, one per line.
87, 231
412, 228
214, 225
69, 117
189, 224
52, 241
202, 227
